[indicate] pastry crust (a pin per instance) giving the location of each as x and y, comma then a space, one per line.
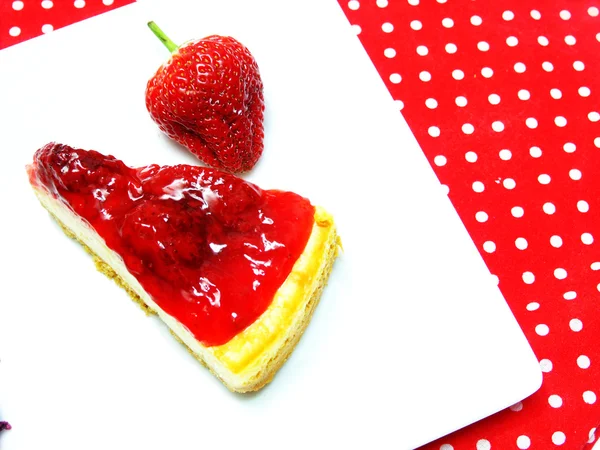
249, 360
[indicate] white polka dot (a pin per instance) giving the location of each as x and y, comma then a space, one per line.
422, 50
356, 28
476, 20
595, 266
497, 126
517, 211
528, 277
542, 329
549, 208
494, 99
467, 128
576, 325
583, 362
555, 401
520, 67
570, 40
14, 31
442, 1
458, 74
533, 306
431, 103
546, 365
107, 2
505, 154
535, 14
395, 78
516, 407
565, 15
489, 246
481, 216
559, 438
447, 22
47, 4
544, 178
440, 160
570, 295
521, 243
535, 152
589, 397
483, 46
413, 2
569, 147
555, 93
531, 122
478, 186
560, 121
433, 131
575, 174
47, 28
578, 66
446, 447
382, 3
425, 76
353, 5
512, 41
389, 52
471, 157
523, 442
487, 72
592, 436
547, 66
587, 238
594, 116
451, 48
17, 6
462, 101
597, 142
399, 104
508, 15
543, 41
556, 241
81, 3
524, 94
483, 444
583, 206
416, 25
584, 91
593, 11
387, 27
509, 183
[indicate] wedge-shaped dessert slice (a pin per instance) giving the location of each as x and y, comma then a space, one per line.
233, 270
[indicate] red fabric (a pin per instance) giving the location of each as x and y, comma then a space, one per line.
563, 331
493, 164
23, 20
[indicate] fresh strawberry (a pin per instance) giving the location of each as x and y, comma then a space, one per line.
209, 97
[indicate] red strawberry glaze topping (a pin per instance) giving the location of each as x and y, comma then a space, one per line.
210, 248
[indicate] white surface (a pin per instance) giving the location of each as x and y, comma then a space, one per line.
412, 339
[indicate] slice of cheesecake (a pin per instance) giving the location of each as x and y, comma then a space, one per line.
233, 270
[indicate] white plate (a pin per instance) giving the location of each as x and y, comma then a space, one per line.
412, 339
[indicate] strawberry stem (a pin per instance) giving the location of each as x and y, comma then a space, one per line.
160, 34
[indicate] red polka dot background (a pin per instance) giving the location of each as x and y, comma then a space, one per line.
504, 98
21, 20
